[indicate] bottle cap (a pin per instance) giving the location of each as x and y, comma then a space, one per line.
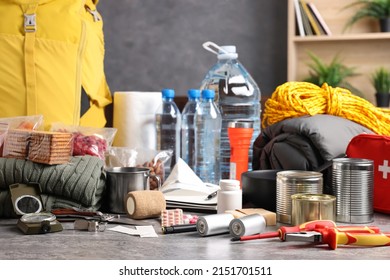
223, 52
227, 52
168, 93
208, 94
193, 93
229, 184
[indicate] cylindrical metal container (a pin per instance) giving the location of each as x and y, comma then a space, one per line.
214, 224
247, 225
310, 207
292, 182
121, 181
353, 184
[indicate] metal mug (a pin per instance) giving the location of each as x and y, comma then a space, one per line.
122, 180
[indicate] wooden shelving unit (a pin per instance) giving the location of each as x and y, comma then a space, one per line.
362, 46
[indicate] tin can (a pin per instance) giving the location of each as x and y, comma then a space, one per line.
310, 207
293, 182
353, 186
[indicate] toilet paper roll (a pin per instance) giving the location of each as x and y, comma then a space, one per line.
133, 117
144, 204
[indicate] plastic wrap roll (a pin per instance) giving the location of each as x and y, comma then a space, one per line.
144, 204
247, 225
214, 224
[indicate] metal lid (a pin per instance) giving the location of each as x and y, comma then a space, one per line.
241, 124
299, 175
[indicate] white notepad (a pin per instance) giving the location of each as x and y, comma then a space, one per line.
184, 189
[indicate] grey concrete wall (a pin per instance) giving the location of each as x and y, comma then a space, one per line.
152, 44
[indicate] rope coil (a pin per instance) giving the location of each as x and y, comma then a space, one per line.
297, 99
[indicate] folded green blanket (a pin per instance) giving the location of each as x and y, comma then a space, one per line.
79, 183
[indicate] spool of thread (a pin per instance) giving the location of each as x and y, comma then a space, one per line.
214, 224
144, 204
247, 225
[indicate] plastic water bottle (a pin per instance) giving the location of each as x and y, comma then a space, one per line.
188, 127
208, 123
168, 124
237, 97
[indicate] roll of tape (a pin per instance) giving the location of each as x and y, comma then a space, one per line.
144, 204
247, 225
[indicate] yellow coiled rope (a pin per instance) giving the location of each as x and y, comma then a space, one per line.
296, 99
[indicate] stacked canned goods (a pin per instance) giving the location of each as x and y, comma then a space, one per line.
292, 182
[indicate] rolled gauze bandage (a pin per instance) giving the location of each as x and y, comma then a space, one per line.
144, 204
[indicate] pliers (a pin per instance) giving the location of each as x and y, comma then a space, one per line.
326, 232
336, 236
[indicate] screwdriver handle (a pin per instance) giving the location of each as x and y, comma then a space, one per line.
334, 237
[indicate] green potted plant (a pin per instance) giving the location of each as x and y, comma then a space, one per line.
334, 74
376, 9
381, 81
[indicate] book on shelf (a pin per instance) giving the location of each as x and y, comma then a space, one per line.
305, 20
319, 19
317, 23
312, 22
298, 15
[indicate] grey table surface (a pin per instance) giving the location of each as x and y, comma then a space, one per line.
71, 244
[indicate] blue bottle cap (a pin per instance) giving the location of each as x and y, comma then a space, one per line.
208, 94
193, 93
168, 93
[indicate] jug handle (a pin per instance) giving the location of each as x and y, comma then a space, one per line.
212, 47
